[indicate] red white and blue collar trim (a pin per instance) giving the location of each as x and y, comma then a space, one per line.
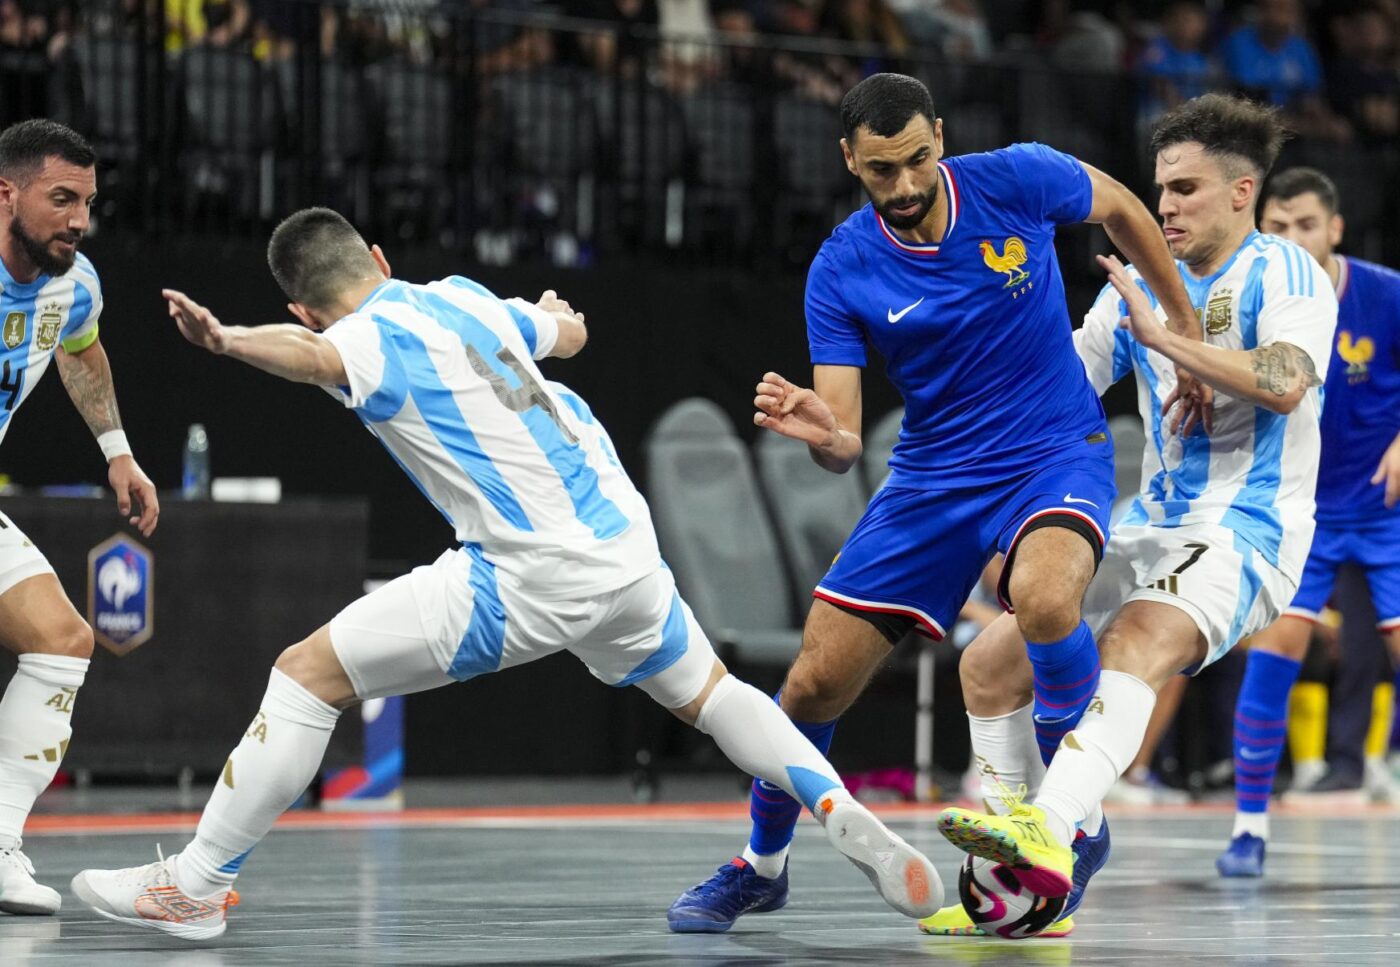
1343, 276
950, 186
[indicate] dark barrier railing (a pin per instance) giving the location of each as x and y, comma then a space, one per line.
526, 137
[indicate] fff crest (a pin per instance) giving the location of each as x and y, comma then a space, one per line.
121, 601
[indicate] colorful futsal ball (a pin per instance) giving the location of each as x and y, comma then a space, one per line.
998, 903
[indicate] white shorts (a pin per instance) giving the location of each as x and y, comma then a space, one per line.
19, 558
1205, 570
452, 620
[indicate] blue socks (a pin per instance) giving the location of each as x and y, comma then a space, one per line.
1261, 726
773, 811
1066, 675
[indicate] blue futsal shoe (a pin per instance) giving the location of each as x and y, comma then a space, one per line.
734, 890
1090, 855
1245, 857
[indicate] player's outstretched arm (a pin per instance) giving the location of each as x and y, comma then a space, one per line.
1276, 376
819, 418
287, 350
87, 376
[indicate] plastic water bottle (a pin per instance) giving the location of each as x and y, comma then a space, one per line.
195, 485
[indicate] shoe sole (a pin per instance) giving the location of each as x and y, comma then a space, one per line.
903, 876
182, 930
27, 909
1239, 874
972, 837
1060, 928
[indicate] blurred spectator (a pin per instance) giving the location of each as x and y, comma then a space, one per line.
688, 54
1273, 61
866, 22
1175, 64
963, 32
502, 47
617, 50
22, 30
1079, 40
1363, 84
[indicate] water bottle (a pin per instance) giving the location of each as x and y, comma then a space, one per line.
195, 485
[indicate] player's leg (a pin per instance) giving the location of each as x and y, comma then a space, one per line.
1224, 594
1261, 727
1053, 534
651, 639
376, 646
54, 645
909, 564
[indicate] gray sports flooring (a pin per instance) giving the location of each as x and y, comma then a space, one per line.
578, 890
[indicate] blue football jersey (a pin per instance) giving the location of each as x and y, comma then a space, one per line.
974, 329
1361, 409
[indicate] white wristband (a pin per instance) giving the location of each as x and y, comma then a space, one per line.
113, 444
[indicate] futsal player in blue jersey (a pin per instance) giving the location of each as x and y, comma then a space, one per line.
1358, 484
50, 304
950, 273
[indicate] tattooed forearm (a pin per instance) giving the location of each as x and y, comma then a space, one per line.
1283, 369
88, 379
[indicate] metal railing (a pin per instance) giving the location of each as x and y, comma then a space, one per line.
512, 136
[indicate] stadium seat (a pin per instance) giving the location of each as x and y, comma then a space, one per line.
719, 203
879, 442
814, 509
1128, 444
715, 533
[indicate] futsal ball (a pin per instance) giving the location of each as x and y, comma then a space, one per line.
998, 903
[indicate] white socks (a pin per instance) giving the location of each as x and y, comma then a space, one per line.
1255, 823
1004, 748
1092, 757
35, 726
755, 734
271, 767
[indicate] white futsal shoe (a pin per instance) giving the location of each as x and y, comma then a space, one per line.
146, 896
903, 876
19, 894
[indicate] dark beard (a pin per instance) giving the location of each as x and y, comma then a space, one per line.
38, 252
906, 222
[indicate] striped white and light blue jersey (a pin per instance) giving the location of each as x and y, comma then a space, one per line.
35, 319
444, 375
1256, 473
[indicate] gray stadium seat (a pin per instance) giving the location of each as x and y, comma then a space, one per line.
716, 535
1128, 443
879, 441
813, 508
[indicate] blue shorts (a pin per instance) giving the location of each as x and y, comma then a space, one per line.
919, 553
1374, 545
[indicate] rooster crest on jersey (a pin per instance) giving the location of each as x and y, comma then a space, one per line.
1012, 257
120, 599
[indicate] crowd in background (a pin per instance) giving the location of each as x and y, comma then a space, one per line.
1331, 66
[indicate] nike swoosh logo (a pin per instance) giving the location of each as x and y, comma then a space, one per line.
1264, 754
1078, 500
896, 316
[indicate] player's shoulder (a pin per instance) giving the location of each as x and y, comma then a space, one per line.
1288, 261
460, 283
1382, 276
843, 248
85, 273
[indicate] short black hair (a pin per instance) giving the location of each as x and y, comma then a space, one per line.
1292, 182
24, 147
1231, 128
315, 254
885, 103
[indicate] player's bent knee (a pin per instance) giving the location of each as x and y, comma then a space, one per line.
72, 640
1046, 611
313, 665
810, 695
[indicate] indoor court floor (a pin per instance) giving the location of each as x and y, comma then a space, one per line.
579, 884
